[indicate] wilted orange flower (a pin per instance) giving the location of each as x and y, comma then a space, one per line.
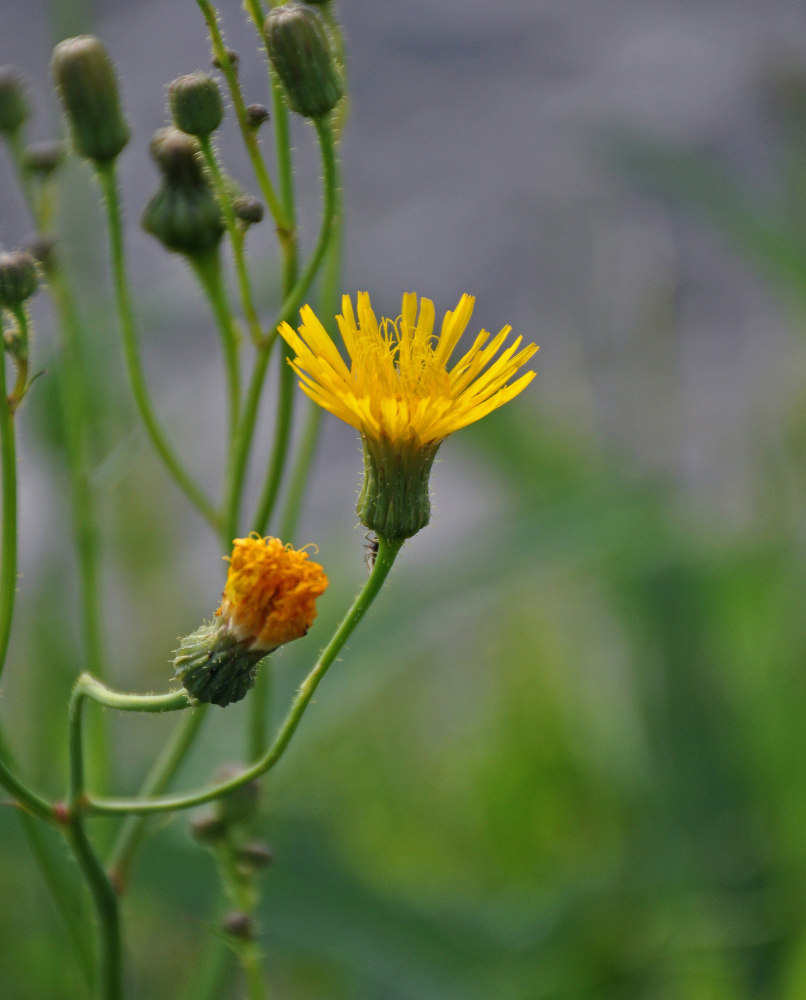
271, 591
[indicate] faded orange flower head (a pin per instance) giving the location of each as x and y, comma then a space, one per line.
270, 594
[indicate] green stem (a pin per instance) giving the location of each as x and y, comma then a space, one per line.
74, 402
244, 898
75, 416
165, 767
8, 531
257, 736
330, 214
24, 797
207, 268
287, 233
88, 686
236, 236
105, 902
282, 438
63, 895
327, 229
247, 129
329, 290
387, 552
108, 180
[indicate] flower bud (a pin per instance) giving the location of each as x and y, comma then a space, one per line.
183, 213
239, 925
18, 278
239, 806
257, 114
88, 87
232, 56
184, 220
13, 103
301, 56
208, 828
269, 600
196, 104
256, 855
44, 157
176, 155
248, 209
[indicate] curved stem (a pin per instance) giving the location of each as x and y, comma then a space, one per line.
107, 178
24, 797
236, 237
164, 768
387, 552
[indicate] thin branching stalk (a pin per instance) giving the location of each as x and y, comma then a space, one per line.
387, 553
108, 181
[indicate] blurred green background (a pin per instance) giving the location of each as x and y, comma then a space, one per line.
563, 757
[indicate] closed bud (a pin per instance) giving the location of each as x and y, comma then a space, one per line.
208, 828
18, 278
177, 157
302, 58
232, 56
247, 209
239, 925
44, 157
257, 114
185, 220
196, 104
88, 88
13, 103
256, 855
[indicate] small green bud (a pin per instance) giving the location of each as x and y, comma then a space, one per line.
177, 157
257, 114
207, 828
256, 855
18, 277
233, 57
247, 209
301, 56
196, 104
88, 87
239, 925
13, 103
185, 220
44, 157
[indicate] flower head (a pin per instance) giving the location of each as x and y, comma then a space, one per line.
269, 599
270, 594
404, 394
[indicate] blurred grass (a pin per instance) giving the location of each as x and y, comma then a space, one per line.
565, 763
562, 760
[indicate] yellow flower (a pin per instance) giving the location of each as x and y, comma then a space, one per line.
270, 594
268, 600
403, 394
398, 385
